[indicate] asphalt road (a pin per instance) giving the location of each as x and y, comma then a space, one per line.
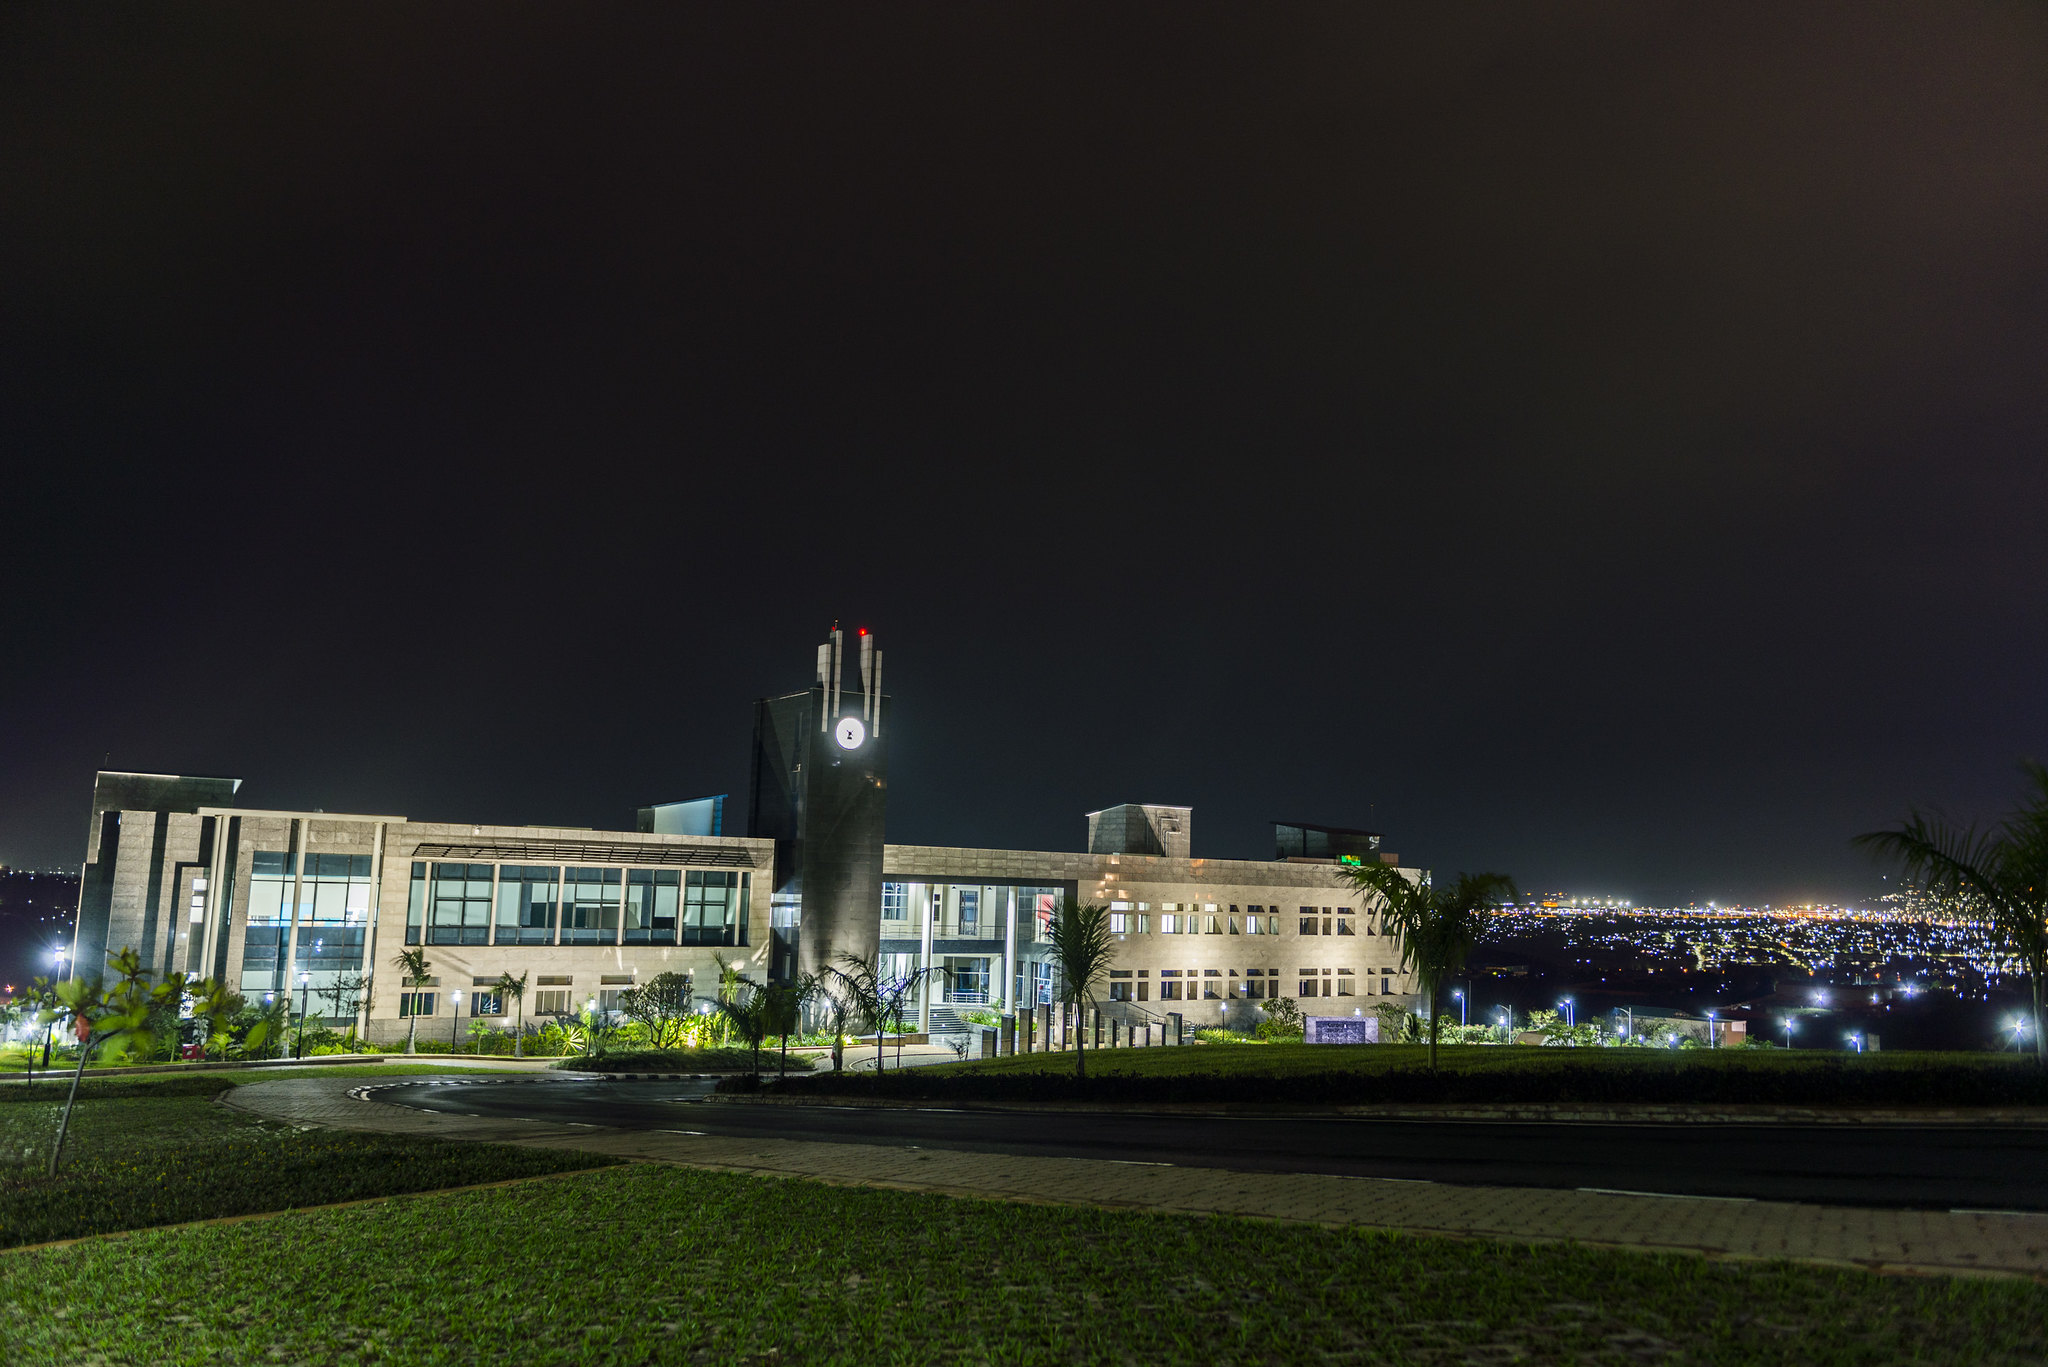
1929, 1168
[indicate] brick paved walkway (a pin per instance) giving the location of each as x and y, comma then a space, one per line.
1886, 1240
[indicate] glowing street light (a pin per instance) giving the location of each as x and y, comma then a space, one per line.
1788, 1031
454, 1016
1459, 994
1571, 1019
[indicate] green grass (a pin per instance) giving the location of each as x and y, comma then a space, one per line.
653, 1264
1339, 1075
156, 1150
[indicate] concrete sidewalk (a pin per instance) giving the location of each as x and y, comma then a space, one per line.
1879, 1240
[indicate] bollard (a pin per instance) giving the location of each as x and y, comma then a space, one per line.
1007, 1043
988, 1042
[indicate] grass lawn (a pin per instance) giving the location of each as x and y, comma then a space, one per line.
653, 1264
1359, 1074
156, 1150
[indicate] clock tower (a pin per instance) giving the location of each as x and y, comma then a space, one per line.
820, 789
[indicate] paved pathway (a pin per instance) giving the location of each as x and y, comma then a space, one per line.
1886, 1240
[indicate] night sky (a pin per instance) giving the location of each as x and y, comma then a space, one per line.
1602, 444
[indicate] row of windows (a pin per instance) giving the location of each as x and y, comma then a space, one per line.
1254, 921
516, 904
484, 1002
1217, 984
973, 911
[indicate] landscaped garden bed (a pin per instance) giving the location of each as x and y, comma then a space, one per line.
1336, 1075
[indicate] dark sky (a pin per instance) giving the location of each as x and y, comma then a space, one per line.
1600, 443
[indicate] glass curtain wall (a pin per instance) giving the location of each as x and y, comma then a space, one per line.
269, 927
590, 906
460, 905
527, 899
334, 918
651, 899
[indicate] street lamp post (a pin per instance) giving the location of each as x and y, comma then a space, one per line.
1571, 1019
1630, 1012
1712, 1032
1788, 1032
305, 989
1507, 1024
50, 1025
1459, 994
454, 1016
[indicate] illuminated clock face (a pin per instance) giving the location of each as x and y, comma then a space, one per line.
850, 733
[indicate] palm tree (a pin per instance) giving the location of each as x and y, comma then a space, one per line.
1438, 927
413, 965
859, 988
517, 988
2002, 874
1082, 946
783, 1004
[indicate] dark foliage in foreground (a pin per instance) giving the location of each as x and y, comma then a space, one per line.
1654, 1081
673, 1061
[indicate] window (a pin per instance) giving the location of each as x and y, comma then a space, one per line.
1386, 987
1213, 925
1254, 925
416, 1003
895, 901
1308, 924
1344, 925
527, 904
459, 905
970, 911
1119, 992
1144, 923
1169, 923
486, 1003
1041, 983
1346, 983
1119, 923
551, 1003
711, 902
651, 898
1211, 991
1326, 925
968, 982
416, 904
1143, 989
590, 906
1308, 986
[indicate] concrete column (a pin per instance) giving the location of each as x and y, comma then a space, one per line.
1010, 955
921, 901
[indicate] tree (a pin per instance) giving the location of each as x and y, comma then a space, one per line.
1082, 946
783, 1004
215, 1007
516, 989
343, 991
2001, 874
748, 1013
412, 968
663, 1006
857, 988
1438, 926
117, 1020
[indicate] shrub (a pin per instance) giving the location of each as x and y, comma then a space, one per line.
680, 1061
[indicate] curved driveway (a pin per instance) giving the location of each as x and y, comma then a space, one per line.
1945, 1168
